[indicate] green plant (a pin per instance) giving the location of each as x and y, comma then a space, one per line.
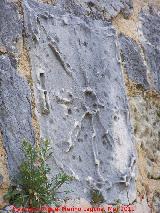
33, 188
158, 114
96, 196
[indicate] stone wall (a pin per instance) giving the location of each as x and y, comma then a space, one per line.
85, 75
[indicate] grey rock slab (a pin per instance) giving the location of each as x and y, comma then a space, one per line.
15, 113
150, 27
81, 101
98, 9
10, 26
133, 61
112, 7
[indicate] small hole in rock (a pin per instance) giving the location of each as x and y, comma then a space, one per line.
115, 118
80, 160
69, 111
80, 140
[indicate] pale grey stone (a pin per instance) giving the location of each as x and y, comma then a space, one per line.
10, 26
15, 112
81, 102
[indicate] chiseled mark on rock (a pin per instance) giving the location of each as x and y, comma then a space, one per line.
55, 50
83, 105
44, 102
133, 61
15, 113
44, 95
42, 92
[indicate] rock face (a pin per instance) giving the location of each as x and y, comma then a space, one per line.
15, 105
150, 22
133, 61
10, 26
141, 66
96, 92
15, 112
98, 8
81, 101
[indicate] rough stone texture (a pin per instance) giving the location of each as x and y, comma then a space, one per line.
15, 109
133, 61
150, 26
81, 102
15, 112
141, 206
82, 106
141, 64
1, 179
145, 119
101, 8
146, 128
96, 8
10, 26
156, 200
4, 177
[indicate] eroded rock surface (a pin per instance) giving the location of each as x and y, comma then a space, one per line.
15, 112
99, 8
140, 63
150, 25
133, 61
82, 106
79, 63
10, 27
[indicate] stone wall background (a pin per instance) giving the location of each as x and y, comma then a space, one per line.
84, 74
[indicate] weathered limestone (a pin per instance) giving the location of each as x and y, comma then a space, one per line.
15, 112
77, 60
133, 61
140, 63
99, 9
81, 103
150, 26
10, 27
15, 108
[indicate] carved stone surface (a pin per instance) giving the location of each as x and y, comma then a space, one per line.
81, 102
